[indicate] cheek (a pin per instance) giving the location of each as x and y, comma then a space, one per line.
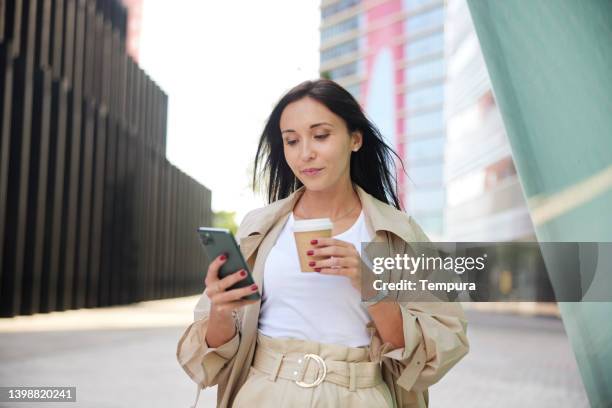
290, 157
338, 155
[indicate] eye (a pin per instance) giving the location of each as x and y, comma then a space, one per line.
322, 136
291, 142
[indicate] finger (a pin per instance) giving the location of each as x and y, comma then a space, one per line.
350, 273
335, 262
233, 294
230, 280
323, 242
213, 269
334, 251
333, 271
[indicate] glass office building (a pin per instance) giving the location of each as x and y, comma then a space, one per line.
390, 56
484, 199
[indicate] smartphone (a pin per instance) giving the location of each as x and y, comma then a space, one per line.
221, 240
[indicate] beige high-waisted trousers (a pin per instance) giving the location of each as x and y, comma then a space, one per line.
298, 373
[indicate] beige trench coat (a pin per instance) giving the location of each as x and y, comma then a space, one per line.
434, 332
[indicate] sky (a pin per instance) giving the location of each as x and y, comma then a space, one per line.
224, 65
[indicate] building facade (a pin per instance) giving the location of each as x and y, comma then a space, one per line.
484, 199
390, 56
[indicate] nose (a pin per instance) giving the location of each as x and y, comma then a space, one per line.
307, 152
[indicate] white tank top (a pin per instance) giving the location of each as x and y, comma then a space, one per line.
308, 305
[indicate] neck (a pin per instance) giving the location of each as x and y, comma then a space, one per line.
332, 203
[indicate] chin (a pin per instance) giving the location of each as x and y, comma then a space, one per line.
317, 186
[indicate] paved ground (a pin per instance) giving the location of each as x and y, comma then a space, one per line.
514, 361
125, 357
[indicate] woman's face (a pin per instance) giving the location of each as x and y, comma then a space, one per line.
316, 138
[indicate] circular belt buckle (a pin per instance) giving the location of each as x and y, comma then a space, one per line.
320, 378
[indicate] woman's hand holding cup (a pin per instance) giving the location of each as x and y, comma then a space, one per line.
341, 258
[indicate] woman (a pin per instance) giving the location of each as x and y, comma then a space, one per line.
311, 340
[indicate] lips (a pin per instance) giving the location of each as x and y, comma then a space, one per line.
311, 171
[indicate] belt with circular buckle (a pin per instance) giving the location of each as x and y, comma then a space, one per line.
322, 368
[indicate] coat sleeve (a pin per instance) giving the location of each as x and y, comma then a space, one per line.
435, 338
201, 362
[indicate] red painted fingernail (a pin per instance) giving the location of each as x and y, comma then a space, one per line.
318, 269
310, 252
254, 287
243, 273
311, 263
223, 257
314, 242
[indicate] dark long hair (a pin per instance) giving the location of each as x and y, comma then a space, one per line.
371, 167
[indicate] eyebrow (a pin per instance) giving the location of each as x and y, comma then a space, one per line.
311, 126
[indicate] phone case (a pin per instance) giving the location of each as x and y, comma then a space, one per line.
221, 240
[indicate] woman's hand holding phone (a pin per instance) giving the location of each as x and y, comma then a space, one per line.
224, 302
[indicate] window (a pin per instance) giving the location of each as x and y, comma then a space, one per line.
422, 149
424, 97
411, 5
423, 21
338, 50
426, 174
343, 71
426, 123
337, 29
426, 200
338, 7
424, 72
425, 46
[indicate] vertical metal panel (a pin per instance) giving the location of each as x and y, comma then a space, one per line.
163, 232
191, 230
174, 216
40, 151
139, 219
148, 223
45, 26
67, 271
154, 264
41, 109
106, 264
6, 271
130, 246
42, 204
18, 158
2, 20
90, 77
59, 129
57, 38
59, 95
120, 231
25, 206
97, 209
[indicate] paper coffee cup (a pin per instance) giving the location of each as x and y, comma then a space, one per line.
306, 230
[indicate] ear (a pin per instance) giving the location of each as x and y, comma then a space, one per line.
357, 140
